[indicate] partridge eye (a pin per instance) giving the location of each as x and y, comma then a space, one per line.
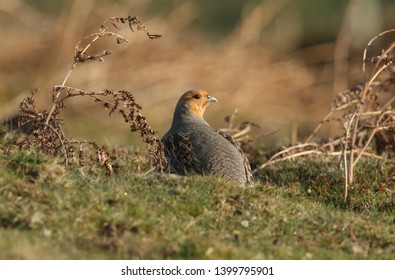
196, 96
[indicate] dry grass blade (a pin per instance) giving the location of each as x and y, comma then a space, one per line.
382, 63
242, 133
370, 44
366, 115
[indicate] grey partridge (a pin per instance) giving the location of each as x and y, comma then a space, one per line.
193, 146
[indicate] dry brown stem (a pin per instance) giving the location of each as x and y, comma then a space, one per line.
45, 133
366, 113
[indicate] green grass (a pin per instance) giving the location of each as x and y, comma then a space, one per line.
295, 211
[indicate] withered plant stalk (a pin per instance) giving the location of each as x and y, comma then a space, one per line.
45, 128
364, 117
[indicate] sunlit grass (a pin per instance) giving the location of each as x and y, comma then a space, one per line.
48, 212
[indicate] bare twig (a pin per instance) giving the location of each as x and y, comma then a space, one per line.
370, 44
364, 116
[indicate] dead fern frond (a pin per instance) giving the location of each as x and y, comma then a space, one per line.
132, 21
45, 133
80, 51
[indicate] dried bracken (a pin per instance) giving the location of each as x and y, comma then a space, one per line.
365, 112
44, 131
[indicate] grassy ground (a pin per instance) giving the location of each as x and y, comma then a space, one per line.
294, 211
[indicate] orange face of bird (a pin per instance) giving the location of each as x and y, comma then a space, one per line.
197, 101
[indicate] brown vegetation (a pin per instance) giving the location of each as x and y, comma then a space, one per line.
366, 114
44, 130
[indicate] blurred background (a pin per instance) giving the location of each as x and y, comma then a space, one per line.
280, 63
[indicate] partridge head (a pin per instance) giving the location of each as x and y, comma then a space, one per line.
192, 105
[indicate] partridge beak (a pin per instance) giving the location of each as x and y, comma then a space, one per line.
211, 99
